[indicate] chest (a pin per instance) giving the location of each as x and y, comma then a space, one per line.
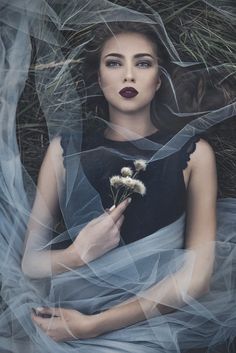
163, 179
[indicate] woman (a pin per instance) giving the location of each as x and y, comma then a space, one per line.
129, 278
129, 76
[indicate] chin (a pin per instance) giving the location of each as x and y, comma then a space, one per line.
129, 107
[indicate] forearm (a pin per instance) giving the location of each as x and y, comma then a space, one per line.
162, 298
40, 264
139, 308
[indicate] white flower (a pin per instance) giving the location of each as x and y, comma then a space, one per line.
140, 164
139, 187
128, 182
116, 181
126, 172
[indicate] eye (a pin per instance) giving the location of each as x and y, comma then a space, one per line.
113, 63
144, 64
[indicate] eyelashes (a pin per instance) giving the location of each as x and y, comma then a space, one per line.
112, 63
117, 63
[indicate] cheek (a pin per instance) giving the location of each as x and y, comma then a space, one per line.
101, 78
150, 80
155, 80
109, 77
104, 80
108, 85
150, 86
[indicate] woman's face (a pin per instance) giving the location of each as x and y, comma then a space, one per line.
128, 73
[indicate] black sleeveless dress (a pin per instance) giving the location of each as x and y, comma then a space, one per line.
165, 197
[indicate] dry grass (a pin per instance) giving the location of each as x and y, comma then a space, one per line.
199, 33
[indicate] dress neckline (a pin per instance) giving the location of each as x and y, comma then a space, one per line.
150, 137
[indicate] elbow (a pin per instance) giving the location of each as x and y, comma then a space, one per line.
28, 267
199, 287
200, 282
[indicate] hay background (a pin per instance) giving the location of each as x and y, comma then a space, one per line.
198, 32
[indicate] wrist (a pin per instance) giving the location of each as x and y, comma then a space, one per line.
72, 258
87, 327
119, 316
97, 325
105, 321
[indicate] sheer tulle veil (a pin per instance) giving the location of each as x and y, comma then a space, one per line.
40, 26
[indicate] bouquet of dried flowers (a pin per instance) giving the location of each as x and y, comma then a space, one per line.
124, 185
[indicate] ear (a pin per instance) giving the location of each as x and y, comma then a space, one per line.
158, 84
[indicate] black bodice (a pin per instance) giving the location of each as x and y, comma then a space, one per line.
165, 198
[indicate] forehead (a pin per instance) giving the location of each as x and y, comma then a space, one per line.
128, 43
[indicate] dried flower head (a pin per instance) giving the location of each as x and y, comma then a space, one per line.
139, 187
116, 181
140, 164
128, 182
126, 172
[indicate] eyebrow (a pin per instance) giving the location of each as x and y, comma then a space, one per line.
135, 56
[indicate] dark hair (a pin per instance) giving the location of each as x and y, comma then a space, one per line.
96, 103
192, 87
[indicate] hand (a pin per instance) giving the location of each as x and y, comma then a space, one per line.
64, 324
100, 235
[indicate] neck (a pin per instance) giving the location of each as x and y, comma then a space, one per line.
138, 123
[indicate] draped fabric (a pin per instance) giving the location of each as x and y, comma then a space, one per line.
128, 270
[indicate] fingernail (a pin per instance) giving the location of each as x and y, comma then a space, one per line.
129, 200
39, 309
112, 208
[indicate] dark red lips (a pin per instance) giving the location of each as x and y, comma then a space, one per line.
128, 92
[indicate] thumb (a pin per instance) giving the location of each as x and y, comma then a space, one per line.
47, 312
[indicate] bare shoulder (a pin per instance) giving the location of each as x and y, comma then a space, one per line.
55, 146
53, 160
54, 153
203, 156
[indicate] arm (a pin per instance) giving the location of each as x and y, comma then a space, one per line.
37, 263
171, 293
96, 238
200, 235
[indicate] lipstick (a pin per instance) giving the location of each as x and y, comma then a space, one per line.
128, 92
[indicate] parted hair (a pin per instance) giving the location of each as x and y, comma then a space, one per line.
195, 90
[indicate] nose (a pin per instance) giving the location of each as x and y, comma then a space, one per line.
129, 75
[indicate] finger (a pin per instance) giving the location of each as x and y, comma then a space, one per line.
45, 324
119, 210
47, 312
120, 221
111, 208
107, 211
41, 322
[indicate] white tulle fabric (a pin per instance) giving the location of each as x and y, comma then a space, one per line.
125, 271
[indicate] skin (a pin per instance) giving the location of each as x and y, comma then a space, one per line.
122, 64
201, 185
